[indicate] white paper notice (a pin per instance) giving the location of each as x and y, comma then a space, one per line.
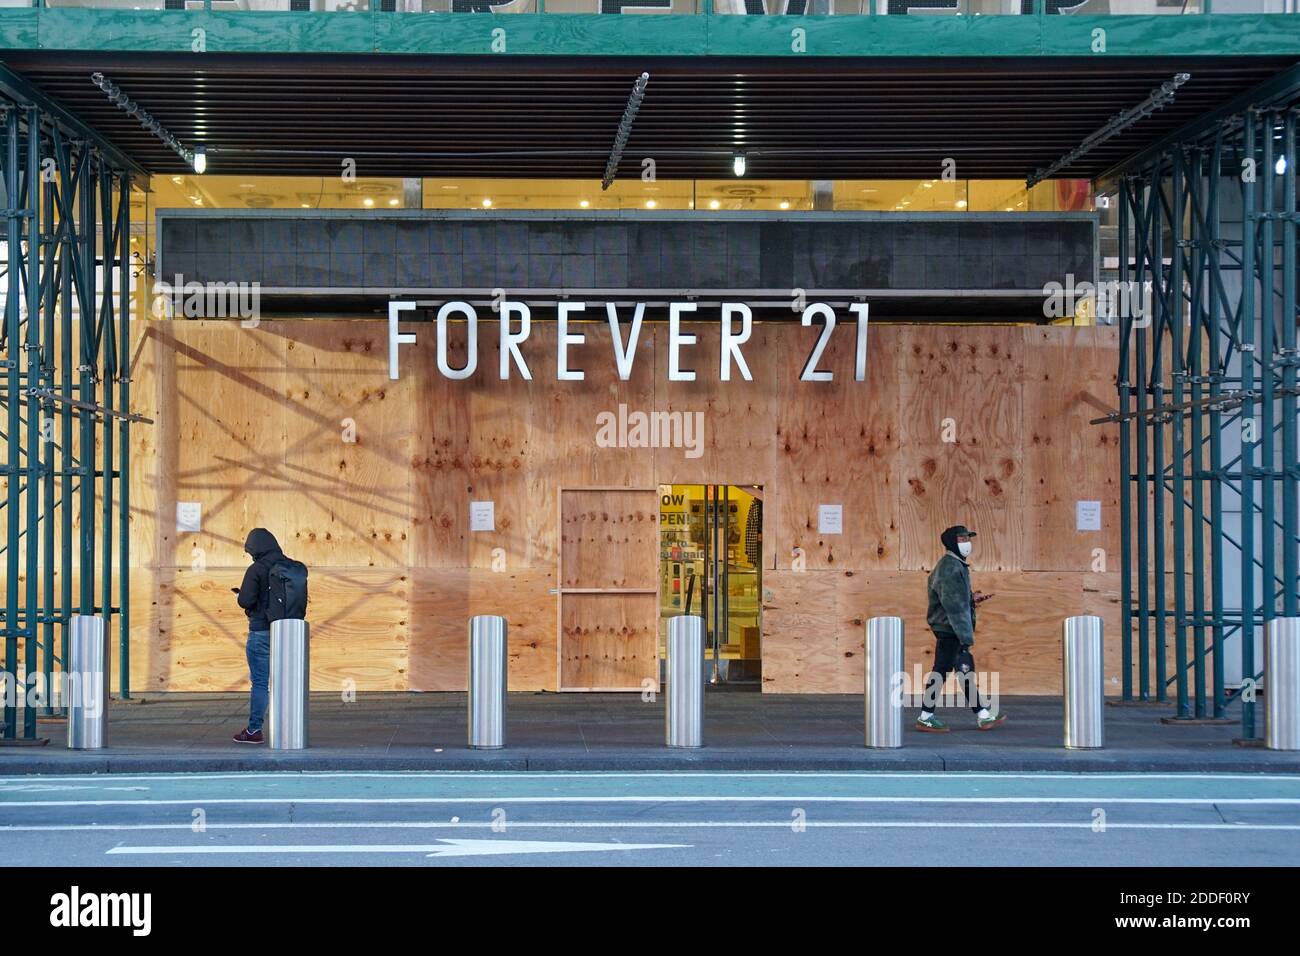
1087, 515
189, 516
482, 516
830, 519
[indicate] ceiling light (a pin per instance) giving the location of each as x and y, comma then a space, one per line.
785, 205
714, 204
1280, 166
738, 164
367, 201
961, 204
649, 203
306, 205
583, 203
487, 203
393, 202
200, 159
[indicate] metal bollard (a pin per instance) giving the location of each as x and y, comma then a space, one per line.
488, 660
286, 719
884, 702
1082, 679
684, 691
87, 683
1282, 684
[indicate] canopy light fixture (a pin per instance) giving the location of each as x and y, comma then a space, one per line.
738, 164
1160, 97
624, 130
196, 158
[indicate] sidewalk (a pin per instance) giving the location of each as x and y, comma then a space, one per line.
611, 732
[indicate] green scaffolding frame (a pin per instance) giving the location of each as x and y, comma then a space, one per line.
1199, 216
64, 395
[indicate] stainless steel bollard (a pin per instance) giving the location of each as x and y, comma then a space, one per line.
684, 691
286, 719
1083, 683
488, 664
87, 683
1282, 684
884, 702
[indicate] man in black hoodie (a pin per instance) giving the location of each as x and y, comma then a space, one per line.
254, 596
951, 615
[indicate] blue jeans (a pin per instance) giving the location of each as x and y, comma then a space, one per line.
258, 651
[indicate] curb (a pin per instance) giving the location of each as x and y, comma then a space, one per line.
927, 761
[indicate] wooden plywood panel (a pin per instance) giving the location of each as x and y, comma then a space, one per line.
445, 599
738, 418
348, 429
609, 539
838, 443
359, 631
440, 457
1069, 379
153, 385
230, 413
574, 410
608, 641
815, 627
802, 627
962, 445
516, 443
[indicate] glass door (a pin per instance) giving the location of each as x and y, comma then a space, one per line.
711, 555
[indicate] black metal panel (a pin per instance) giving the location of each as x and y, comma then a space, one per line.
386, 253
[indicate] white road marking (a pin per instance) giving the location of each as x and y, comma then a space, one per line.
668, 798
643, 824
441, 849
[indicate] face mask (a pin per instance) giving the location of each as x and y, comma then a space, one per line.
964, 547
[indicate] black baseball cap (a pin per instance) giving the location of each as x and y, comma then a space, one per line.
957, 530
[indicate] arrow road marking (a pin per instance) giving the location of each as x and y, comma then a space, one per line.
440, 849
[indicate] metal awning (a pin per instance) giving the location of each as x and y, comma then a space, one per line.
553, 117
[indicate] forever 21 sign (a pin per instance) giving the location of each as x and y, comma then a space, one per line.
515, 321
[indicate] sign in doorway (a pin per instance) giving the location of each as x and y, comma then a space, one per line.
711, 566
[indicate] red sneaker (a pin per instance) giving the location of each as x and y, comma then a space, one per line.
244, 737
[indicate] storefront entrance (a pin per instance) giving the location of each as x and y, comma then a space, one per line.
711, 565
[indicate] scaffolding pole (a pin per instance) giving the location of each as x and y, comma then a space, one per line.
1208, 406
64, 397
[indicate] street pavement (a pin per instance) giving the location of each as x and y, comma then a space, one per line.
650, 819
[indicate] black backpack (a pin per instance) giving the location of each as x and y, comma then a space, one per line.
288, 586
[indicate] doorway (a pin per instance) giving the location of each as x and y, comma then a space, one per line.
711, 566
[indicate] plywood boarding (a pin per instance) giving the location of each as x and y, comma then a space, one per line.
814, 626
360, 631
226, 431
609, 539
607, 641
1069, 379
348, 431
838, 442
738, 417
444, 600
962, 445
246, 426
516, 443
